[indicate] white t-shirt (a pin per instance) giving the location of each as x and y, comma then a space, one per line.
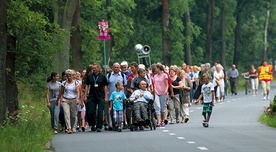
207, 92
70, 89
218, 75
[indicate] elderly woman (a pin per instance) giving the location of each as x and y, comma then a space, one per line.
69, 93
218, 81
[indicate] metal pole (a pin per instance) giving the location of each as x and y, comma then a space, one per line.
104, 59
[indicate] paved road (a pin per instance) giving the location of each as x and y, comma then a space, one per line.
234, 127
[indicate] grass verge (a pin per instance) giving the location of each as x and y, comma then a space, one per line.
32, 130
269, 120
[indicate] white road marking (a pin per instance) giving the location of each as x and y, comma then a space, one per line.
228, 101
198, 108
172, 134
234, 99
239, 98
190, 142
166, 131
180, 137
162, 127
202, 148
191, 110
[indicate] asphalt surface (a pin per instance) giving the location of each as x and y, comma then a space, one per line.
234, 127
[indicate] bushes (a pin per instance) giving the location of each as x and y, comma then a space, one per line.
271, 110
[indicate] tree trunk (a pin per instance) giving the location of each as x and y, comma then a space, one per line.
11, 89
3, 52
188, 58
63, 16
211, 18
76, 40
265, 31
165, 25
237, 34
223, 39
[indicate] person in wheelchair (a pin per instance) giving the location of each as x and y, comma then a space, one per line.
140, 99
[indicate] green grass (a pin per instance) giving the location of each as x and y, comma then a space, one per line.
269, 120
32, 131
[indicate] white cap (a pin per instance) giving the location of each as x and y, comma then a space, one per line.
142, 66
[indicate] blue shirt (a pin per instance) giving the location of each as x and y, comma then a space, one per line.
117, 98
113, 79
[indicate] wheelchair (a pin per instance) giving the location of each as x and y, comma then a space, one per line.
149, 123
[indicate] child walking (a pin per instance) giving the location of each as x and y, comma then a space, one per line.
207, 92
81, 115
116, 103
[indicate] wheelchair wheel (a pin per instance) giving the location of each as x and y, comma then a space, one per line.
153, 123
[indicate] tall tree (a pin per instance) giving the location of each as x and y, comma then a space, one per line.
265, 31
3, 52
223, 37
188, 58
210, 27
165, 25
238, 14
76, 40
63, 16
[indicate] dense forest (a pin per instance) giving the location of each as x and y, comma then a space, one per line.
41, 36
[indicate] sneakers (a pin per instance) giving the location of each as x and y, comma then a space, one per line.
99, 130
141, 128
264, 98
205, 124
93, 129
74, 130
55, 131
119, 129
105, 127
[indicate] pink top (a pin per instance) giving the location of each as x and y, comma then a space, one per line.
160, 83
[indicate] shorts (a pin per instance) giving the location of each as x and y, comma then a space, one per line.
207, 109
118, 115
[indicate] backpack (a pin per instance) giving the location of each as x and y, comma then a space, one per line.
122, 74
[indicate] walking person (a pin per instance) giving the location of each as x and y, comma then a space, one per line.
174, 101
69, 93
97, 97
265, 76
207, 92
233, 75
51, 97
112, 78
117, 98
185, 96
218, 82
253, 73
161, 87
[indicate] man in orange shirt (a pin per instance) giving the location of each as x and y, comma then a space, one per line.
265, 76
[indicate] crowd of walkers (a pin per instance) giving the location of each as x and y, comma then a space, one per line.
92, 100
